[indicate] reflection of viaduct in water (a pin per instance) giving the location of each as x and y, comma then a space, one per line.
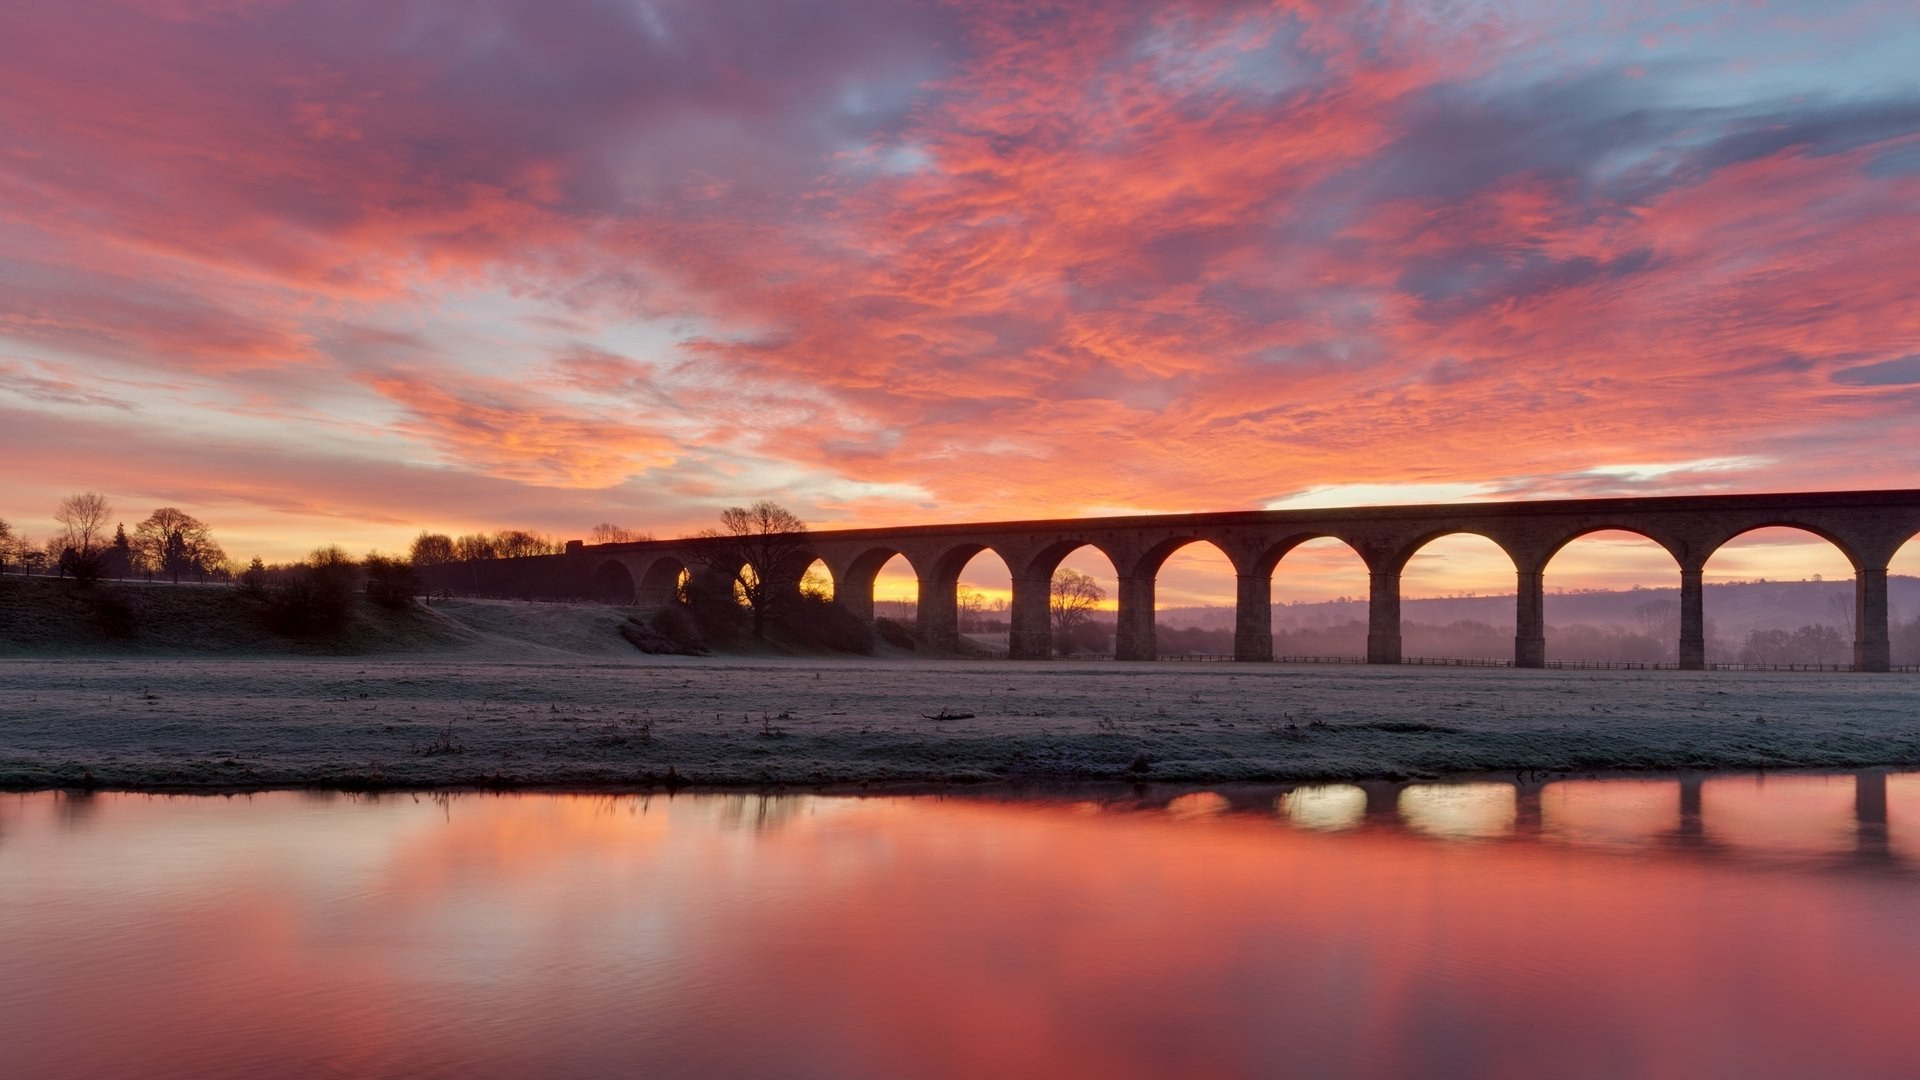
1377, 806
1868, 527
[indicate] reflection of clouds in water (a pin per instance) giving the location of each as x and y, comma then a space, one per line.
1903, 814
1781, 814
1200, 804
1460, 811
912, 936
1328, 807
1630, 812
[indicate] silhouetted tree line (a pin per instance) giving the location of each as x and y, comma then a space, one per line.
434, 549
316, 595
169, 543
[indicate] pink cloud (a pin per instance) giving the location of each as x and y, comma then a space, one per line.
1013, 260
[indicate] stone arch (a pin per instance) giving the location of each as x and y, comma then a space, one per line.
1903, 604
1770, 639
1481, 632
1727, 536
1648, 633
1268, 559
1671, 545
1397, 558
1150, 561
612, 583
1088, 636
817, 574
661, 583
1041, 563
938, 607
794, 566
1387, 559
854, 579
1158, 576
1328, 632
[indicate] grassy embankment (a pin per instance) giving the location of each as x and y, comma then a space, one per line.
49, 617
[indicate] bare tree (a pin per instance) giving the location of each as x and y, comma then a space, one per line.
473, 546
431, 549
83, 534
519, 543
969, 608
757, 547
608, 533
174, 542
1658, 619
1074, 598
18, 547
83, 521
1840, 606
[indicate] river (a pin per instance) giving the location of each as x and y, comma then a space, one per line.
1680, 926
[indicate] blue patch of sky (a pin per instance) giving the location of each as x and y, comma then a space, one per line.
1716, 55
1903, 371
1262, 58
1901, 160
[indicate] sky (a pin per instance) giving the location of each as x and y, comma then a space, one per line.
328, 271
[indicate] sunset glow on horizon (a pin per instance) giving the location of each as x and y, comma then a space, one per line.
338, 272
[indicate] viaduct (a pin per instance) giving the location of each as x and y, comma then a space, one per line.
1868, 527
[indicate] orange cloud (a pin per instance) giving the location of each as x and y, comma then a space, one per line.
892, 262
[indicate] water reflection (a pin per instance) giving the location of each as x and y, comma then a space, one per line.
1459, 810
1698, 925
1330, 807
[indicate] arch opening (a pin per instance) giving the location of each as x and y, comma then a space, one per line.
962, 578
816, 581
1778, 597
896, 591
1903, 605
612, 583
1319, 605
1457, 599
663, 583
1612, 597
1193, 602
1082, 602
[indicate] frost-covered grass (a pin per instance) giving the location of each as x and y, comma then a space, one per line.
632, 721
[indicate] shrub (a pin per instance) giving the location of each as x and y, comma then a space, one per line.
818, 621
716, 613
670, 631
391, 583
253, 580
314, 597
83, 566
893, 633
674, 624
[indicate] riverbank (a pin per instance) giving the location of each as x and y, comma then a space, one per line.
637, 722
